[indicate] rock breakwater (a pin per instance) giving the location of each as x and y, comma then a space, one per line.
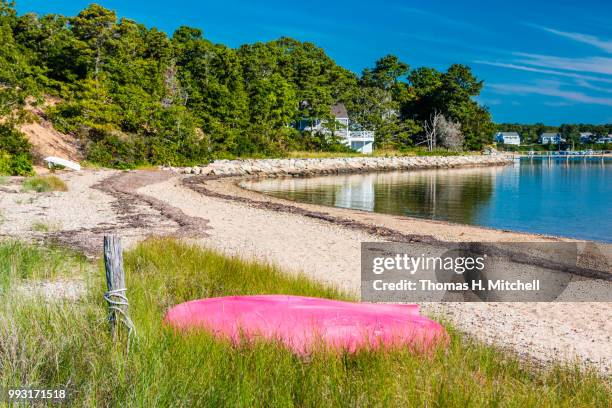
311, 167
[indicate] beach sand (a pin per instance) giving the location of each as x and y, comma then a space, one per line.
304, 239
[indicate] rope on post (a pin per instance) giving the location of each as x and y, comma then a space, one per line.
115, 295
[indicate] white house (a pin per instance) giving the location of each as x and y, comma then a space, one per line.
552, 138
586, 137
359, 140
605, 139
509, 138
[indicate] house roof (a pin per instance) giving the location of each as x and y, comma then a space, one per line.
549, 134
339, 111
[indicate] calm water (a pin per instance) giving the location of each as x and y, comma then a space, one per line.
570, 198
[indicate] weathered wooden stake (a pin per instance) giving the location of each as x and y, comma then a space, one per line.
115, 281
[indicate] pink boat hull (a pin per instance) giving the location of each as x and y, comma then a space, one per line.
303, 324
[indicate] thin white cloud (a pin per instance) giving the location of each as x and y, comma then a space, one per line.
549, 89
545, 71
604, 45
558, 104
598, 65
591, 75
586, 84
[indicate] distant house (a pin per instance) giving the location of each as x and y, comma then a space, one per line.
605, 139
359, 140
586, 137
509, 138
550, 138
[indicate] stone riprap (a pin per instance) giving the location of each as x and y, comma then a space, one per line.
310, 167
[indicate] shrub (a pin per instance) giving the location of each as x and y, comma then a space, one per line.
113, 151
5, 163
15, 157
131, 151
41, 184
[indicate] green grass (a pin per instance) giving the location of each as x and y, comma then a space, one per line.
440, 152
376, 153
42, 184
20, 261
320, 155
41, 226
54, 344
86, 164
305, 154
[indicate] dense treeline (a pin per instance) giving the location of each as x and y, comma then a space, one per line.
134, 95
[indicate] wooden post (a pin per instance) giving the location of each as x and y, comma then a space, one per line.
115, 281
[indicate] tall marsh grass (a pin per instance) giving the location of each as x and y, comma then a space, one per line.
67, 344
20, 261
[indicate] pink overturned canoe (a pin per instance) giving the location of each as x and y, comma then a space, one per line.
303, 323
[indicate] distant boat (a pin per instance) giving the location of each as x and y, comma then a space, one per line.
58, 161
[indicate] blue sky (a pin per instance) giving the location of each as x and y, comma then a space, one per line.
542, 61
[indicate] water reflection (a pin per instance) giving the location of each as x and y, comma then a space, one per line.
443, 194
570, 197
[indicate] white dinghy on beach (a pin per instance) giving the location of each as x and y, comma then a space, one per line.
53, 161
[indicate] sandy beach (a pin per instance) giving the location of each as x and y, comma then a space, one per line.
322, 242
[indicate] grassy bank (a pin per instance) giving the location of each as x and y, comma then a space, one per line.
312, 154
67, 343
376, 153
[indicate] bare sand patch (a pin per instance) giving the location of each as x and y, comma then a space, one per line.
85, 213
47, 141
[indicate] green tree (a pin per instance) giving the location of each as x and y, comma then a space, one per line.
386, 74
376, 103
95, 27
451, 93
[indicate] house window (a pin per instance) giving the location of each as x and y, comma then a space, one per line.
357, 145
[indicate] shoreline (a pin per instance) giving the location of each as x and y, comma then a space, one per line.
138, 204
227, 175
397, 228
